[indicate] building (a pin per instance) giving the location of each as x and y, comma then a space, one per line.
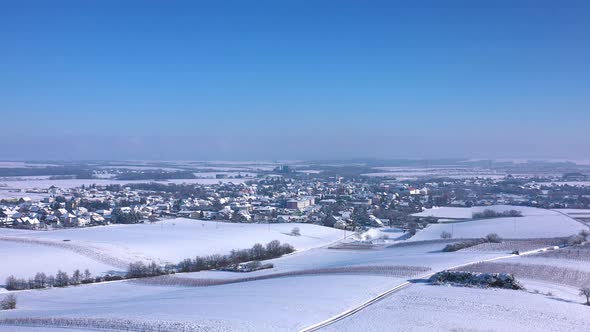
299, 204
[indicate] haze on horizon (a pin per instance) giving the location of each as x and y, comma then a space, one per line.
294, 80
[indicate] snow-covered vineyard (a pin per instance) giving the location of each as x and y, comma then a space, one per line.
320, 280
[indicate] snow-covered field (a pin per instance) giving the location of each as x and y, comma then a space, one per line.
166, 241
409, 173
535, 223
23, 164
440, 308
24, 260
12, 188
303, 288
467, 212
566, 183
73, 183
286, 303
575, 213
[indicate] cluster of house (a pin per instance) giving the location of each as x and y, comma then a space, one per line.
332, 201
28, 214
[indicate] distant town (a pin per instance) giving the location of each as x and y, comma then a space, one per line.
352, 196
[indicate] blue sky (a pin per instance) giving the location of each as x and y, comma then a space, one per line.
294, 79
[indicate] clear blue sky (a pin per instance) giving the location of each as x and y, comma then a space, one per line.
122, 79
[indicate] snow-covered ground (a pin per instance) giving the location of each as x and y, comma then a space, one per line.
17, 188
23, 164
166, 241
412, 173
442, 308
302, 288
73, 183
467, 212
535, 223
575, 213
23, 260
285, 303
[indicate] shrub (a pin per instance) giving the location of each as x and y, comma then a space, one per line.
462, 245
8, 303
493, 238
286, 249
112, 278
548, 273
490, 238
585, 291
474, 279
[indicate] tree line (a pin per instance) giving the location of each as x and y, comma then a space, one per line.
258, 252
60, 279
488, 214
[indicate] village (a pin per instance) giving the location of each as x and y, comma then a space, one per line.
345, 202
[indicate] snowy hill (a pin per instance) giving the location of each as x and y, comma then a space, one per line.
535, 223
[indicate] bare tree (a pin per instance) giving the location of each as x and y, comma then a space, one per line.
62, 279
295, 231
445, 235
76, 277
40, 280
258, 252
11, 283
87, 274
412, 228
585, 291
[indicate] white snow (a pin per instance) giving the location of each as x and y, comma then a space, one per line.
467, 212
176, 239
289, 303
24, 260
535, 223
284, 304
509, 228
576, 213
278, 304
73, 183
445, 308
